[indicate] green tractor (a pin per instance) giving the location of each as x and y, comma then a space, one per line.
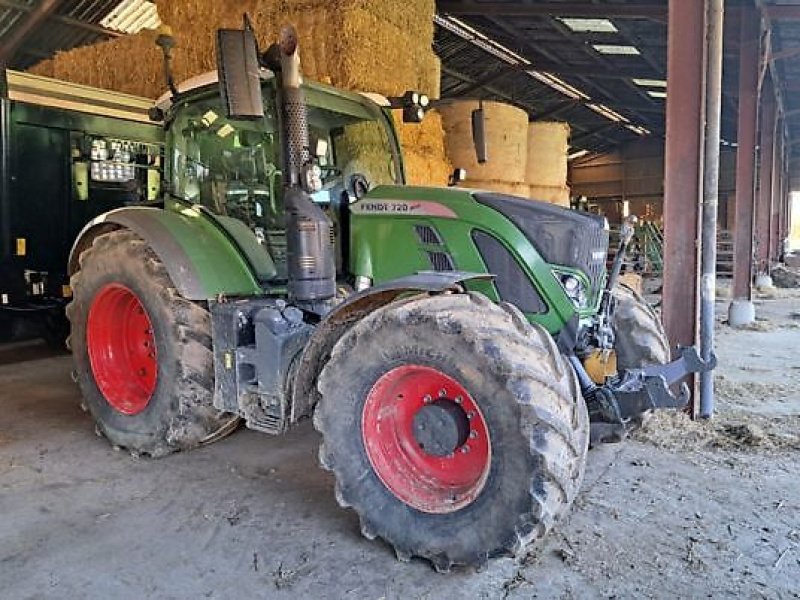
437, 336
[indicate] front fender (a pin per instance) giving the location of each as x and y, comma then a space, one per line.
200, 259
348, 313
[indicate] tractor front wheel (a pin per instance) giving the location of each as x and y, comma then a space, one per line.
142, 352
454, 428
640, 339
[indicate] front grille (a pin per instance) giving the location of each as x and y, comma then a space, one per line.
511, 282
428, 235
441, 261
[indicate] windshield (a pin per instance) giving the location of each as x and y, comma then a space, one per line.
233, 167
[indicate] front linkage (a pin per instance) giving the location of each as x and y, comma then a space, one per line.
622, 399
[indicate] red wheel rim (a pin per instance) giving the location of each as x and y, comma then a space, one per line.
427, 482
122, 349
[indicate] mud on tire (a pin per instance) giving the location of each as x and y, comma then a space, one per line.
179, 414
528, 398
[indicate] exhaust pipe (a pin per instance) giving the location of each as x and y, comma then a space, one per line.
311, 268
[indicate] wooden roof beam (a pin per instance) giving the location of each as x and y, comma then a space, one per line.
24, 27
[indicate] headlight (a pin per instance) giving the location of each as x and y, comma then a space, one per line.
574, 288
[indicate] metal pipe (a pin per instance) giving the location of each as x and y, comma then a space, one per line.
749, 49
714, 31
766, 151
683, 171
294, 108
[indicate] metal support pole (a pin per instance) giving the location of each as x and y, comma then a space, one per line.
682, 171
775, 200
708, 246
766, 152
746, 153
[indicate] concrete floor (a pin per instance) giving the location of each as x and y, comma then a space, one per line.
253, 516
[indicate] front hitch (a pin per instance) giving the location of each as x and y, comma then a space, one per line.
638, 390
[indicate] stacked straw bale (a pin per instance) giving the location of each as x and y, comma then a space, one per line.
546, 165
506, 129
423, 149
524, 159
365, 45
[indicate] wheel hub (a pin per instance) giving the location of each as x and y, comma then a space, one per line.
441, 427
426, 438
122, 349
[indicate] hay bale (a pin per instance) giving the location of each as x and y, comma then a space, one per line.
99, 65
506, 137
556, 194
362, 149
548, 147
425, 169
424, 155
363, 45
430, 75
494, 185
366, 45
45, 68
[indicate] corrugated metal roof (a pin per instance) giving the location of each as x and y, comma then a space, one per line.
541, 62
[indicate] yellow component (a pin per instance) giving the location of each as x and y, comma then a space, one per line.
601, 364
164, 30
228, 360
66, 291
22, 246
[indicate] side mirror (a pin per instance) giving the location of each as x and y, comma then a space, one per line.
239, 77
479, 134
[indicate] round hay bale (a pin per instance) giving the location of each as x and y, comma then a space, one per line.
494, 185
555, 194
548, 146
506, 140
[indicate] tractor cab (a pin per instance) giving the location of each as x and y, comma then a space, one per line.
232, 167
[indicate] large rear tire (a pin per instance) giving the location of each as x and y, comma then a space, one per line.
142, 352
640, 338
454, 428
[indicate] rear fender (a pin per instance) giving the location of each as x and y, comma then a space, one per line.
200, 258
337, 322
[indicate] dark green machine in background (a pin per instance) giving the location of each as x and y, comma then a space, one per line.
67, 154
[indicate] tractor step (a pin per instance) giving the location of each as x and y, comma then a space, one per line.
256, 343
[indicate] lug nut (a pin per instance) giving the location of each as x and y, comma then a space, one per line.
442, 393
427, 399
471, 414
473, 435
459, 399
464, 449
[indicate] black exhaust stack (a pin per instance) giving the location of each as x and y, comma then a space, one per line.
309, 238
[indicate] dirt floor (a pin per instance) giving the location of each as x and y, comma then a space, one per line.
687, 510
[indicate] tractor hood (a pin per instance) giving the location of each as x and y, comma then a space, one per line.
560, 235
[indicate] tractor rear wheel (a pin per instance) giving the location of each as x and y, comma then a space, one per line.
640, 339
142, 352
454, 428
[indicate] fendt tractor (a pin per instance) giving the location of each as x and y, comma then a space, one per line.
452, 345
67, 154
